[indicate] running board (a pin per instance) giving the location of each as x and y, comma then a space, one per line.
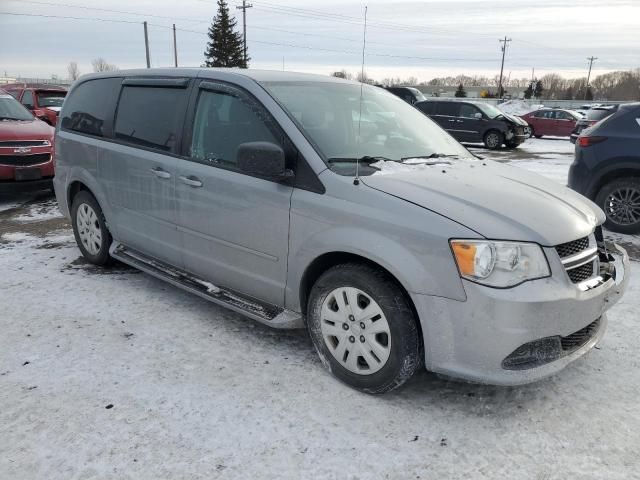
262, 312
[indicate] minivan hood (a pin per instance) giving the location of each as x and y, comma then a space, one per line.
496, 200
514, 119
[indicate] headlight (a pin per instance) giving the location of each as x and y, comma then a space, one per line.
499, 264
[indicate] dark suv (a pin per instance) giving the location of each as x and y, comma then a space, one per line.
476, 122
592, 116
607, 167
410, 95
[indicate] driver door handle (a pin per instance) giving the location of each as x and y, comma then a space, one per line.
160, 173
191, 181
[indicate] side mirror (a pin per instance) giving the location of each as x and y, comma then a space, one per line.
263, 159
477, 115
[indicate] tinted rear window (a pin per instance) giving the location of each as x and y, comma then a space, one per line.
150, 116
449, 108
427, 107
90, 106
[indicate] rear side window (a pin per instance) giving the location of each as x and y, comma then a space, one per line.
150, 116
450, 109
89, 107
427, 107
598, 114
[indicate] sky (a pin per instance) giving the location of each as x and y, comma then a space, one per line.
422, 39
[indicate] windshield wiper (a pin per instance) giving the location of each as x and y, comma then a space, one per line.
433, 155
364, 159
11, 118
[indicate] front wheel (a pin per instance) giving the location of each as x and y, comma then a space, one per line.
620, 200
90, 229
511, 145
493, 140
363, 328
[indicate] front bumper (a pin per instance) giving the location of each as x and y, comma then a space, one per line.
472, 339
11, 186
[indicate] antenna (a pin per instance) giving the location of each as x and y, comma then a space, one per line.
356, 181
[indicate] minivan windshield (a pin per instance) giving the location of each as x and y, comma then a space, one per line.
489, 110
11, 109
343, 129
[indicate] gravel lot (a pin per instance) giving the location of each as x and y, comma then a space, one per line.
112, 374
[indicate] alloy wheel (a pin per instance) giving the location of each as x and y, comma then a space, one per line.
493, 140
622, 206
355, 330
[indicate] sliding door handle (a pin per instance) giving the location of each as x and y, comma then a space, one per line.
160, 173
191, 181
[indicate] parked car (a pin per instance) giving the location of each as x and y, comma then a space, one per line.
26, 148
410, 95
556, 122
44, 101
257, 191
593, 116
606, 167
476, 122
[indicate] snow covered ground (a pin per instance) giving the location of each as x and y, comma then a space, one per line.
111, 374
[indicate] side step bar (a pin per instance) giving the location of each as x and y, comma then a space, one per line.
265, 313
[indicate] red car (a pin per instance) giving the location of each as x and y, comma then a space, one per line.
44, 101
551, 121
26, 148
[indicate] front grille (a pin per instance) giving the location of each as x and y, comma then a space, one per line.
579, 338
24, 160
581, 273
571, 248
25, 143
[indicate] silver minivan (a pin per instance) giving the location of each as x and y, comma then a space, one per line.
309, 201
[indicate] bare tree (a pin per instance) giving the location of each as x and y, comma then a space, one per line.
101, 65
73, 71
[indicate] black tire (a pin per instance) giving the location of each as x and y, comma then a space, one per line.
493, 139
101, 257
405, 342
538, 136
621, 223
531, 131
511, 145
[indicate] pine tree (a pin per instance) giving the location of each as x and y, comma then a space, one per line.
568, 93
225, 46
460, 92
528, 93
589, 94
539, 88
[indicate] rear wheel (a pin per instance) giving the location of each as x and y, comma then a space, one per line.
620, 200
493, 139
363, 328
90, 229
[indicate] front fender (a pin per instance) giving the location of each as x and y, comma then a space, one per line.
408, 241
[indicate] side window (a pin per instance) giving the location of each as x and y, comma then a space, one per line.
90, 106
27, 99
427, 107
223, 121
468, 111
150, 116
450, 109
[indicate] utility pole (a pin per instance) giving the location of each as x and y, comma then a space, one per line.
504, 50
533, 70
175, 47
586, 88
146, 44
244, 7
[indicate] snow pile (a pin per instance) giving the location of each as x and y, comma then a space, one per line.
409, 165
518, 107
